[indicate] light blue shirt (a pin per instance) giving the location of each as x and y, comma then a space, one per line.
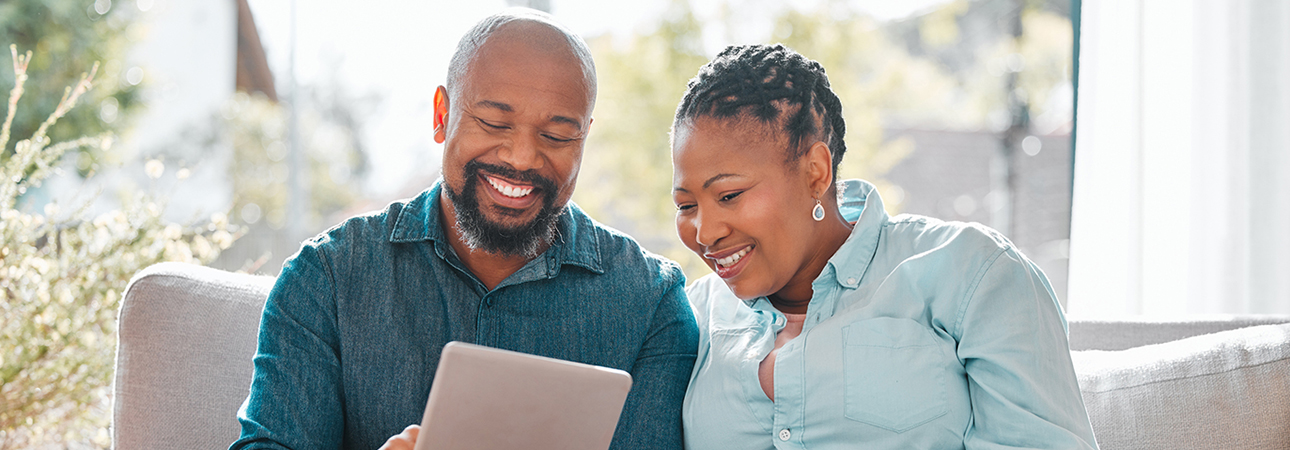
921, 334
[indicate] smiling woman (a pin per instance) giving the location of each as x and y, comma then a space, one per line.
935, 334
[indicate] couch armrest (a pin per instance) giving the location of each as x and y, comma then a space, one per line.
1224, 390
1136, 331
186, 336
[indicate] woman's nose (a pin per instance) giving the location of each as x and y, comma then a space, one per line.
709, 228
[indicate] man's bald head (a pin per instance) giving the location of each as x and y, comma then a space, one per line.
534, 27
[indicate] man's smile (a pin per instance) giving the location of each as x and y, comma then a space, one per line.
513, 197
507, 188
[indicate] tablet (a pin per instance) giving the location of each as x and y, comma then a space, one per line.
490, 399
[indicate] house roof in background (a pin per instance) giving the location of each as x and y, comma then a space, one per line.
253, 73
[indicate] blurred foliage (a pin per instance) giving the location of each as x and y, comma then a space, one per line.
942, 69
80, 33
62, 275
972, 44
627, 165
330, 137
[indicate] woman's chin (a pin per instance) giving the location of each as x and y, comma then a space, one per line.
744, 291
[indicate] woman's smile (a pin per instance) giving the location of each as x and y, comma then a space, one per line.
727, 263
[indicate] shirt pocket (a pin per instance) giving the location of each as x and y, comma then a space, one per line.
893, 375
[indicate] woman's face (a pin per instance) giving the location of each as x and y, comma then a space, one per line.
740, 205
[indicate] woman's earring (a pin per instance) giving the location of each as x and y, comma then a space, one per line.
817, 213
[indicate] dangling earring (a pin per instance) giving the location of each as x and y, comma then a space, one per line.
817, 213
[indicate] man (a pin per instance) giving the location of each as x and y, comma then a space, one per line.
494, 253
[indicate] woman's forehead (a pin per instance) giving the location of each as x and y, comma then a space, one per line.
707, 144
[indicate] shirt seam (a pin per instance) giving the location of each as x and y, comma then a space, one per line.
335, 322
970, 292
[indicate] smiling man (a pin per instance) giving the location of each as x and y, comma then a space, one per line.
494, 254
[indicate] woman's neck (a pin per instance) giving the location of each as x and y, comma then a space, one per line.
795, 296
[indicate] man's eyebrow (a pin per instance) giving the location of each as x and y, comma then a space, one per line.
567, 120
495, 105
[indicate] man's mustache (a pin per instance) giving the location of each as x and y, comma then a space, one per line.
542, 183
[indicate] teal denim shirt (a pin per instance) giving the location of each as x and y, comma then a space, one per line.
921, 334
352, 331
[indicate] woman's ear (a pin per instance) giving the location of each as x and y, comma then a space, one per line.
818, 162
440, 114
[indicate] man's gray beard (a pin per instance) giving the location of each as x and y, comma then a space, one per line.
481, 234
527, 249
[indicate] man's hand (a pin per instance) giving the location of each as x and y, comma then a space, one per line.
403, 441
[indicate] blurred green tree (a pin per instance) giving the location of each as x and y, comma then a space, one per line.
643, 77
627, 166
62, 274
80, 33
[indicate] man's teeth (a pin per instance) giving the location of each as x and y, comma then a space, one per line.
732, 259
509, 191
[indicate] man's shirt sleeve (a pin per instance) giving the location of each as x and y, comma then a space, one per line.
651, 418
295, 398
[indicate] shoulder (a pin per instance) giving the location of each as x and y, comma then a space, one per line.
363, 229
964, 241
358, 238
704, 290
715, 305
621, 256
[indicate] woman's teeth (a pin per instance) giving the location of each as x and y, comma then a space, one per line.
732, 259
507, 190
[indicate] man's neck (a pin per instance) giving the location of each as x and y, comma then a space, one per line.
489, 268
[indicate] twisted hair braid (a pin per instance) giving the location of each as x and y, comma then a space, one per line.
773, 84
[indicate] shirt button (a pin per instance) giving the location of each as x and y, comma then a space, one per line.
851, 281
784, 434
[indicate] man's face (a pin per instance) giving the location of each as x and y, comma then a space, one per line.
513, 139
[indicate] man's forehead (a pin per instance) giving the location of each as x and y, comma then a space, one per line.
507, 75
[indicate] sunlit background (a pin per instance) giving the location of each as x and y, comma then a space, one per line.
260, 123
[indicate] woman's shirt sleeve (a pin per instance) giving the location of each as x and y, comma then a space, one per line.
1013, 345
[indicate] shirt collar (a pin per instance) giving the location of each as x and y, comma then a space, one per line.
858, 202
576, 241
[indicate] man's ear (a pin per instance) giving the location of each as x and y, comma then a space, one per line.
819, 168
440, 113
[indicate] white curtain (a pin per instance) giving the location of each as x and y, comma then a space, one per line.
1182, 162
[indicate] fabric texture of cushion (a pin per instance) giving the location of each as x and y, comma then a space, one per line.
1226, 390
183, 366
1125, 333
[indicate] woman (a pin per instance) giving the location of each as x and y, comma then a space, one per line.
829, 324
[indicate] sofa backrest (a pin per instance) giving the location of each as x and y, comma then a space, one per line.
1224, 390
188, 334
183, 366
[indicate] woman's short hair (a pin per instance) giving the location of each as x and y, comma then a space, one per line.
775, 85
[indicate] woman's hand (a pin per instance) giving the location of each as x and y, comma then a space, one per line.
403, 441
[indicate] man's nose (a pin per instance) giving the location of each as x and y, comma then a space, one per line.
521, 152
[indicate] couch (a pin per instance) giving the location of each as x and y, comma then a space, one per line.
187, 334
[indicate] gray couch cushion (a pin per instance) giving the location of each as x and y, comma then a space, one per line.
1226, 390
1124, 333
183, 365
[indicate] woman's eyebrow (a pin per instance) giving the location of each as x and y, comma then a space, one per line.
706, 184
716, 178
